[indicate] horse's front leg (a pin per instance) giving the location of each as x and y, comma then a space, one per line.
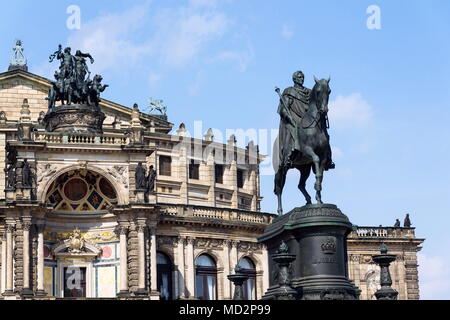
280, 179
319, 179
318, 172
305, 171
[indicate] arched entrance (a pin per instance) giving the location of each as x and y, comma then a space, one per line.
79, 264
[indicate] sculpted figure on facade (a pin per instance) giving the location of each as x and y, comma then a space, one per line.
140, 177
151, 179
27, 175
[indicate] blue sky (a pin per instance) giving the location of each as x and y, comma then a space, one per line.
219, 61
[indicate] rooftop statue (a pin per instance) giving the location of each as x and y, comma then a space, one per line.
73, 83
303, 141
18, 60
157, 105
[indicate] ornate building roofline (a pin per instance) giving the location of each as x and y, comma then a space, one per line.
165, 126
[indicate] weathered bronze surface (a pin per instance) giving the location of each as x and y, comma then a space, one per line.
79, 95
316, 235
303, 141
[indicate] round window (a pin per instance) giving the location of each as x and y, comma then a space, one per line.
75, 189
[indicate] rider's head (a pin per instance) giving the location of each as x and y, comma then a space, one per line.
67, 50
78, 53
298, 78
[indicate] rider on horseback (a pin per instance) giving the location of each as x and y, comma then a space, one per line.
294, 104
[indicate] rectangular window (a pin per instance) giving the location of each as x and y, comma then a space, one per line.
194, 170
240, 178
219, 173
165, 166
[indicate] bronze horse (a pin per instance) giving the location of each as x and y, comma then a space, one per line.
314, 144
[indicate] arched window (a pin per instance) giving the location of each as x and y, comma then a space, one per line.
164, 276
205, 278
249, 269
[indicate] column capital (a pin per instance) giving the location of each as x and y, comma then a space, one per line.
141, 228
227, 243
181, 240
190, 240
122, 229
234, 243
10, 227
152, 229
26, 225
40, 226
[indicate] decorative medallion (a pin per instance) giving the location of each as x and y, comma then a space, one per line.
329, 246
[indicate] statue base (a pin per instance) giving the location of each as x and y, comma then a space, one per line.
317, 236
75, 118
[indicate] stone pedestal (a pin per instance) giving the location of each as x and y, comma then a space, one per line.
140, 195
317, 235
75, 118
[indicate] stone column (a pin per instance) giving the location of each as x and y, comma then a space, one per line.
141, 258
233, 183
40, 260
183, 174
124, 289
9, 259
3, 273
210, 176
26, 224
181, 276
265, 268
233, 257
153, 261
226, 269
190, 273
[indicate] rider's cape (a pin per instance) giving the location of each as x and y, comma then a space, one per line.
296, 102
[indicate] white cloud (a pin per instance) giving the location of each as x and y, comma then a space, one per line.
241, 58
175, 36
287, 31
182, 33
203, 3
350, 111
434, 276
109, 38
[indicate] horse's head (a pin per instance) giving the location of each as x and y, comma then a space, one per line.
320, 93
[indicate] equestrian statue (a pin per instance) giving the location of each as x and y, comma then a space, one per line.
303, 140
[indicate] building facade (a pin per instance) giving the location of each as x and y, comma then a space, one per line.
75, 223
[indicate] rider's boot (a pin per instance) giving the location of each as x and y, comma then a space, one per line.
329, 165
